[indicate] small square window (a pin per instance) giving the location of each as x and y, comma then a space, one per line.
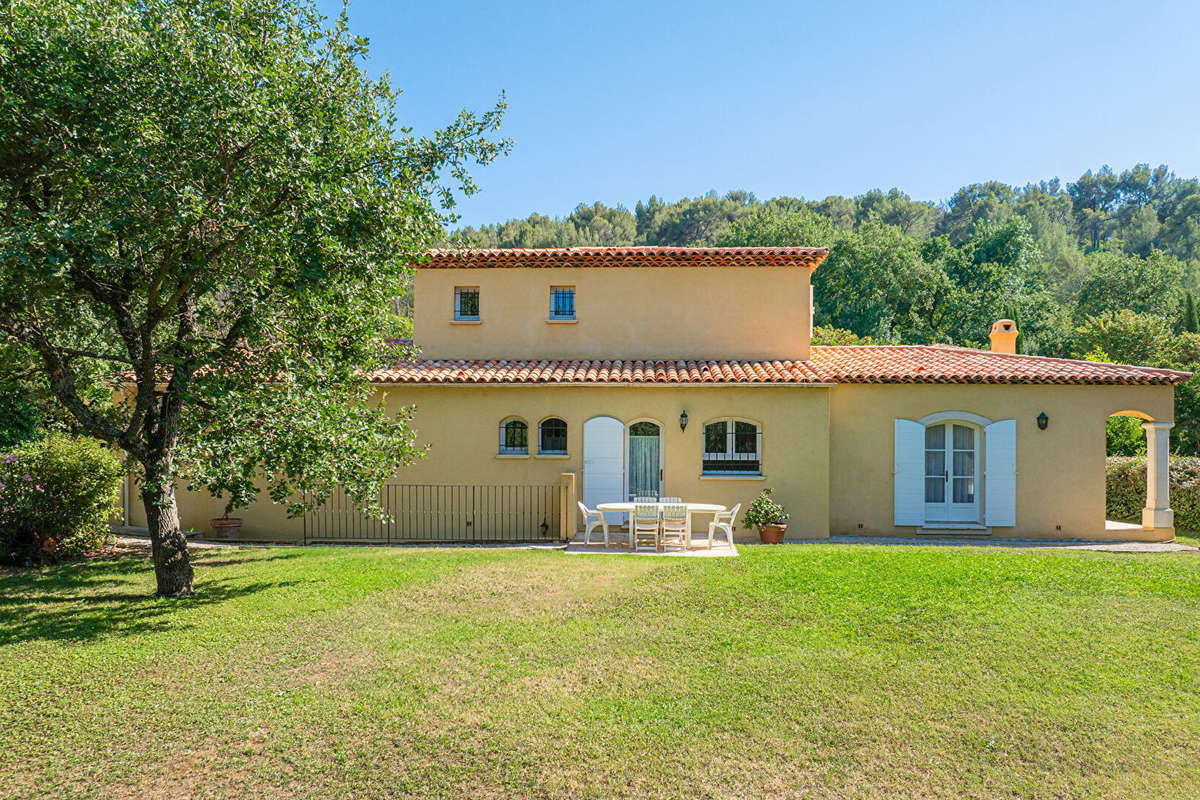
562, 302
466, 303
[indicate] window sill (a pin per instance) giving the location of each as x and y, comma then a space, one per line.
466, 322
553, 455
730, 476
562, 321
512, 455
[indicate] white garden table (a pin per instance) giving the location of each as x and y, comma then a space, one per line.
692, 508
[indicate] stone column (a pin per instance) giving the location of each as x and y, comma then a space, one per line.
1158, 513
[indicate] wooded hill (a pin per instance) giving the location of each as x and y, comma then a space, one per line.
1103, 267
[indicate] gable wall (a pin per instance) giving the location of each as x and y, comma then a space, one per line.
626, 313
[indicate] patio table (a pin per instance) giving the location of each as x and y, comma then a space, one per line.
692, 508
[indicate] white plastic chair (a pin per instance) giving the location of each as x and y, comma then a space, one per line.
592, 519
645, 499
670, 499
723, 521
675, 525
643, 526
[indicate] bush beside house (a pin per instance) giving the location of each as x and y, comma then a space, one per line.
58, 496
1126, 490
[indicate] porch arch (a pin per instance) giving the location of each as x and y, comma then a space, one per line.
1157, 513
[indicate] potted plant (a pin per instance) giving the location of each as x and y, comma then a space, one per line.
768, 517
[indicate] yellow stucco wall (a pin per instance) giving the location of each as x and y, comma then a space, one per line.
827, 452
461, 425
1060, 471
642, 313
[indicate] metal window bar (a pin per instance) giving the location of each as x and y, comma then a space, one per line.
514, 438
562, 303
447, 513
742, 453
466, 304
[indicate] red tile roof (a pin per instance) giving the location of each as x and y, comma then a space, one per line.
948, 364
627, 257
591, 372
829, 365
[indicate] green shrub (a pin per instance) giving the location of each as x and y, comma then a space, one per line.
57, 498
1126, 490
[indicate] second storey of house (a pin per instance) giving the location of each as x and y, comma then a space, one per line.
616, 303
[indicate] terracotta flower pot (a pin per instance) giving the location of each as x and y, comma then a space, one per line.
772, 534
226, 527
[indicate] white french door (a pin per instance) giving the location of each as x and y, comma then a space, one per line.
951, 473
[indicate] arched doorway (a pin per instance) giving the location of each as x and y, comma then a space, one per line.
603, 464
1137, 445
644, 459
952, 451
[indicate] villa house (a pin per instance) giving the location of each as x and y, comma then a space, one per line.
603, 373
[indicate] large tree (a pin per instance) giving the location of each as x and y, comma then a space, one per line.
214, 202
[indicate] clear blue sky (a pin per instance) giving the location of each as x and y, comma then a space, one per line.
617, 101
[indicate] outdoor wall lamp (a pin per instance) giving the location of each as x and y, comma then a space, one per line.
1043, 421
683, 421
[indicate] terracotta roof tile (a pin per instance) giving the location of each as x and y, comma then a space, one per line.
850, 364
626, 257
947, 364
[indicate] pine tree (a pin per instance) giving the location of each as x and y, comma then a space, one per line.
1189, 314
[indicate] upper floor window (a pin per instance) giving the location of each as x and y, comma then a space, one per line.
514, 438
562, 302
552, 437
466, 303
732, 446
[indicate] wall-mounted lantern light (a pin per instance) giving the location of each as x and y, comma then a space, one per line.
1043, 421
683, 421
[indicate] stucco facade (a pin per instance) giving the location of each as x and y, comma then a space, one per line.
663, 336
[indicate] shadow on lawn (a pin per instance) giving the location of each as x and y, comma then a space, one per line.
82, 601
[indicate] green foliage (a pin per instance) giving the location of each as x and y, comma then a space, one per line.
1126, 337
1124, 436
214, 200
58, 496
826, 335
1119, 281
876, 283
20, 416
1125, 480
764, 511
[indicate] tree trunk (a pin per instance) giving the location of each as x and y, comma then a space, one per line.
172, 567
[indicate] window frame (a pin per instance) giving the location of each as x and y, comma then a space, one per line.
542, 451
507, 451
458, 315
730, 454
555, 317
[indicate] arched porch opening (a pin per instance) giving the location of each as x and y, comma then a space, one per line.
1133, 434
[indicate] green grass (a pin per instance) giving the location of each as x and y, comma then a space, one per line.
814, 671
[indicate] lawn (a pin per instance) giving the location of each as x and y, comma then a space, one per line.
796, 671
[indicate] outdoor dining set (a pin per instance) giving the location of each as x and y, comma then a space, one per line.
658, 523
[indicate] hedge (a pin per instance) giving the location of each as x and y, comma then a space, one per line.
57, 498
1126, 490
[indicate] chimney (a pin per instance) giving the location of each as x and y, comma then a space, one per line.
1004, 336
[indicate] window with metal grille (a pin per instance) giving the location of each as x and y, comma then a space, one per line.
562, 302
552, 437
466, 304
514, 438
732, 446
